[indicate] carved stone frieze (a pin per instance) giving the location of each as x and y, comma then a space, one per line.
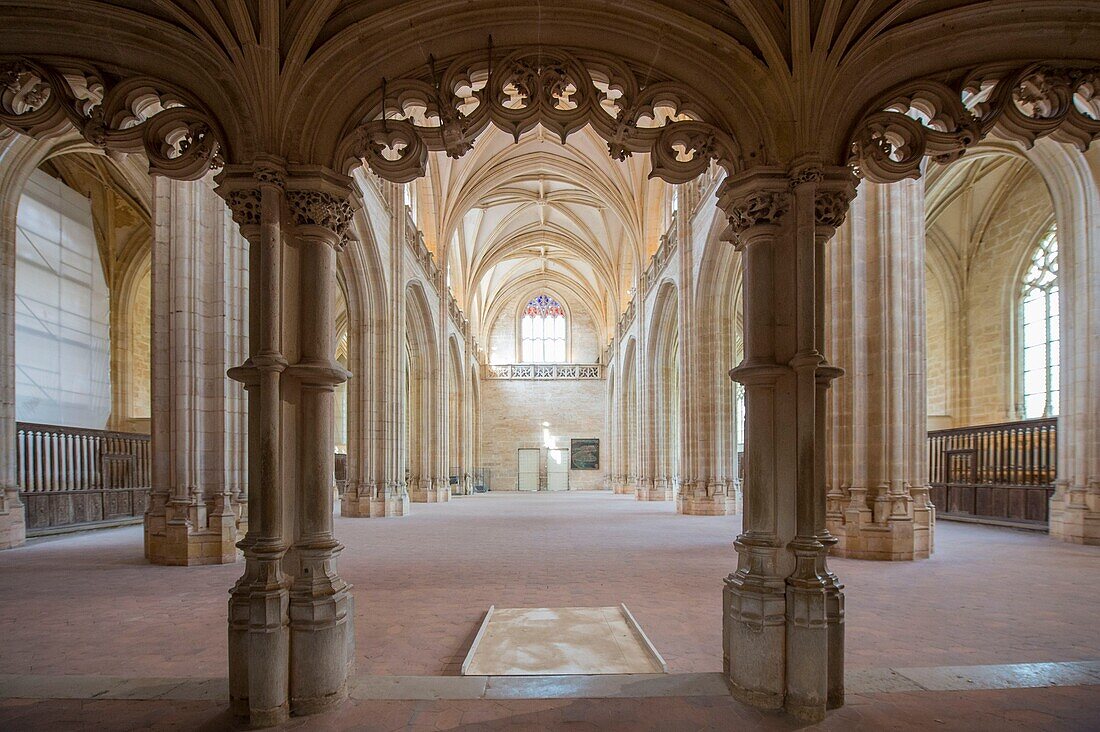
554, 88
941, 120
125, 115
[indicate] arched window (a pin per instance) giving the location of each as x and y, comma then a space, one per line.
542, 329
1039, 316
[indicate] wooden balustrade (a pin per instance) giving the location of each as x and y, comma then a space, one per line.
1003, 472
69, 476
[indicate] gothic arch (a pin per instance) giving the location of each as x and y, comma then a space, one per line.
424, 439
662, 367
717, 298
628, 404
362, 279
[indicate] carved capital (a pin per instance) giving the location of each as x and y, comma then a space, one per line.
320, 208
831, 208
757, 208
245, 206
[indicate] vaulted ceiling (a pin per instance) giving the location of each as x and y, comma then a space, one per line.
507, 218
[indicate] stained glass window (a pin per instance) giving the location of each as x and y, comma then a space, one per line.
542, 330
1039, 316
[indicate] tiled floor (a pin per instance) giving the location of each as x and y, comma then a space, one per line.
422, 584
89, 604
1066, 709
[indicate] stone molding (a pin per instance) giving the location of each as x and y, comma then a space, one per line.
942, 120
552, 87
127, 115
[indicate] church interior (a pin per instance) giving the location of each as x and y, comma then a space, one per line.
550, 364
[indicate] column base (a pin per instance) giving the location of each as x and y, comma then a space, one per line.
322, 634
653, 494
430, 494
719, 504
1075, 515
905, 536
13, 520
177, 544
621, 488
361, 505
753, 642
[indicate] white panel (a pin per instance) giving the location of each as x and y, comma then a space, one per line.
62, 315
528, 473
557, 470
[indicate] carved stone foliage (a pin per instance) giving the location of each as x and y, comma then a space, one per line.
552, 87
831, 208
124, 115
245, 206
318, 208
756, 209
941, 120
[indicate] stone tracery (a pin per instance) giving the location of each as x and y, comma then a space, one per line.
125, 115
942, 120
553, 87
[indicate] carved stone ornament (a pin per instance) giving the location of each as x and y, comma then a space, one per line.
756, 209
318, 208
552, 87
831, 208
130, 115
245, 206
941, 120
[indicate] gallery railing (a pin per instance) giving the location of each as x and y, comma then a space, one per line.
1001, 472
69, 476
542, 371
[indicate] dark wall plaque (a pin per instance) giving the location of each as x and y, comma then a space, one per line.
584, 454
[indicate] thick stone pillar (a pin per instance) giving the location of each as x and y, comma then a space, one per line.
783, 609
290, 615
13, 528
705, 488
1075, 506
373, 489
878, 501
198, 284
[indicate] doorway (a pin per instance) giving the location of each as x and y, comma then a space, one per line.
527, 475
557, 470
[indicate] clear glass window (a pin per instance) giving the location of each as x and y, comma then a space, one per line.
1039, 318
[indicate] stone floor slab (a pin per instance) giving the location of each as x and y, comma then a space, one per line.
545, 641
1003, 676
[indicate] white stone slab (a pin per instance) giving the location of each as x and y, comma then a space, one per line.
545, 641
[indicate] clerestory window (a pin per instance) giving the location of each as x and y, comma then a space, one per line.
542, 331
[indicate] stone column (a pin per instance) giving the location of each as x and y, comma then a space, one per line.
706, 489
1075, 506
290, 615
196, 501
13, 528
373, 490
783, 609
878, 502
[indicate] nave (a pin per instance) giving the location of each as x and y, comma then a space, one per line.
91, 607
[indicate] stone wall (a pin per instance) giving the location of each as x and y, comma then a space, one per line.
977, 348
584, 344
512, 416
